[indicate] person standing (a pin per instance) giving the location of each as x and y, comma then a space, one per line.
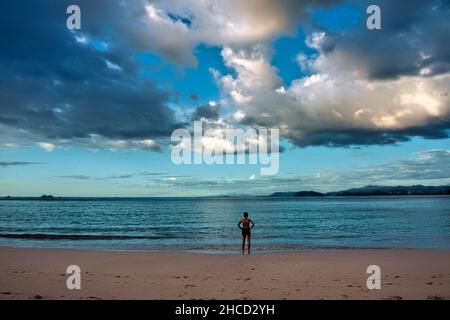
246, 225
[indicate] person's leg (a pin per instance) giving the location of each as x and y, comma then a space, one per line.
243, 243
248, 244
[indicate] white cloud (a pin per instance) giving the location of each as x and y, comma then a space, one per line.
113, 66
239, 115
49, 147
231, 23
147, 144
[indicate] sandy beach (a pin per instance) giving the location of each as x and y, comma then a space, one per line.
406, 274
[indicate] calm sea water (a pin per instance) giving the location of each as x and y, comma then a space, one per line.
211, 224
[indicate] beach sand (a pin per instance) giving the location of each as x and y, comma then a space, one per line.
405, 274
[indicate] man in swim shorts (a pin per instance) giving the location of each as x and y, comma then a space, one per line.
246, 225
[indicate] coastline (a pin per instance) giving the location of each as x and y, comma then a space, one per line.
31, 273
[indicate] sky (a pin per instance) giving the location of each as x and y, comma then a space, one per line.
90, 112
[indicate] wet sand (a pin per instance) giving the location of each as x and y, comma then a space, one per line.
405, 274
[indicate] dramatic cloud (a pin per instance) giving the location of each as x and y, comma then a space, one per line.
87, 87
412, 41
59, 86
347, 99
209, 111
236, 23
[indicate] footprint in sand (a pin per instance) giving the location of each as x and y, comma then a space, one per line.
429, 283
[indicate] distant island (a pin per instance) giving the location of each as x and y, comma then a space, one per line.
47, 197
373, 191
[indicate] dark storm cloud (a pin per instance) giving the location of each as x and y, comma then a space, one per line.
363, 137
414, 35
57, 87
207, 112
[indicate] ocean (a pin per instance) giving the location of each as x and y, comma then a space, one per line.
210, 224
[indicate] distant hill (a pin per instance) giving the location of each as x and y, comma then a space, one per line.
309, 194
297, 194
372, 191
393, 191
283, 194
47, 197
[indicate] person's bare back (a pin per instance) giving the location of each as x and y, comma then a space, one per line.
246, 225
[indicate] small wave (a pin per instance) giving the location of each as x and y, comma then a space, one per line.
73, 237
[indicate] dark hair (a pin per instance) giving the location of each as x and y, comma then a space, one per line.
246, 214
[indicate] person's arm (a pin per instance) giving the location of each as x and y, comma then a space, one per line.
239, 225
252, 224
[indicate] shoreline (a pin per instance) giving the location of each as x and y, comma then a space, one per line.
32, 273
235, 251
